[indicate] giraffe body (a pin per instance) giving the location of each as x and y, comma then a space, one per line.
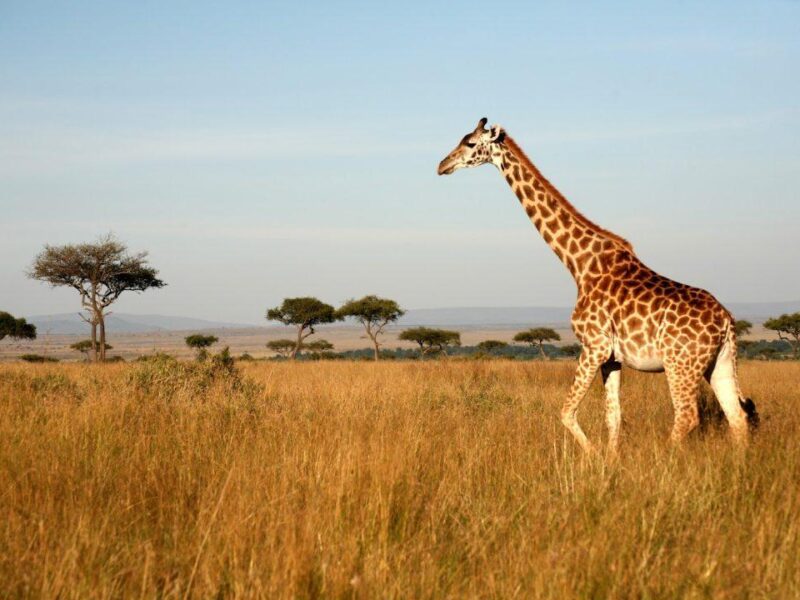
625, 312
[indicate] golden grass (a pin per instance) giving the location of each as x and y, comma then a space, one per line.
441, 479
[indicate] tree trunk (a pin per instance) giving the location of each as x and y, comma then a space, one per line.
94, 339
297, 345
102, 343
542, 352
377, 348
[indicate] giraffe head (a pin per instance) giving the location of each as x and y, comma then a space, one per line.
476, 148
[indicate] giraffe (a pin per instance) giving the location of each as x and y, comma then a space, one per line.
625, 312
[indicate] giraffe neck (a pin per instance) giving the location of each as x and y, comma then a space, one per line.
578, 243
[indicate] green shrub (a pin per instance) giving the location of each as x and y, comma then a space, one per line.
38, 358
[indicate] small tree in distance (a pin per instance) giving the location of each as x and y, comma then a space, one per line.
431, 340
571, 350
85, 346
537, 337
374, 314
491, 346
282, 347
200, 343
742, 327
305, 313
318, 348
18, 329
788, 329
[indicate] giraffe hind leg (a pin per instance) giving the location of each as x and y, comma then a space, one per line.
611, 371
722, 378
684, 385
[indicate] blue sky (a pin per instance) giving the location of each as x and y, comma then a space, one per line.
263, 150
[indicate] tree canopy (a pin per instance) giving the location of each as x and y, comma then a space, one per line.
572, 350
537, 336
374, 313
85, 346
282, 347
199, 341
100, 272
491, 346
16, 328
431, 340
788, 329
742, 327
305, 313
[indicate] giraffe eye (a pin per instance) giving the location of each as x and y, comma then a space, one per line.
469, 144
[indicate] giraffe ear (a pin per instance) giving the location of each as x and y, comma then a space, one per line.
497, 133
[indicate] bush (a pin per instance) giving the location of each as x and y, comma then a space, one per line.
163, 376
38, 358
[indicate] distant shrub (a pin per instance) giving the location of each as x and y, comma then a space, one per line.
157, 356
38, 358
245, 356
115, 359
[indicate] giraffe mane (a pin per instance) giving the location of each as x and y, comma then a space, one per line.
520, 154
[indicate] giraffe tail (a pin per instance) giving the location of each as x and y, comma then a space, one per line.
747, 404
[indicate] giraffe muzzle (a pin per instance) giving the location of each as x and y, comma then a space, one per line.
446, 167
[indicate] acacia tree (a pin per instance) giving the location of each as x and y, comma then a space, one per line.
200, 343
537, 336
305, 313
742, 327
318, 347
788, 329
571, 350
100, 272
491, 346
85, 346
18, 329
431, 340
374, 314
282, 347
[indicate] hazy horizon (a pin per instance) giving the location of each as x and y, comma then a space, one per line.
260, 152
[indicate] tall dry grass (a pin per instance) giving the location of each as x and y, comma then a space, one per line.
441, 479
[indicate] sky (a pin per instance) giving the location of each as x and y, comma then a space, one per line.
266, 150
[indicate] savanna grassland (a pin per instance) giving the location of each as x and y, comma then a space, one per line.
337, 480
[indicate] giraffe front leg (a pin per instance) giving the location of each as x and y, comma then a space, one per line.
588, 363
611, 371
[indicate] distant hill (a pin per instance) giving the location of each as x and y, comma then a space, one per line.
513, 316
71, 323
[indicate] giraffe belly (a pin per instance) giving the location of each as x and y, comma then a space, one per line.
645, 359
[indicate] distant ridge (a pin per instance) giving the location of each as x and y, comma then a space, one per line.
71, 323
487, 316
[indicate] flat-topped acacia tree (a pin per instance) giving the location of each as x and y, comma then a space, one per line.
86, 346
374, 313
200, 343
282, 347
305, 313
788, 329
100, 272
491, 346
742, 327
537, 336
16, 328
431, 340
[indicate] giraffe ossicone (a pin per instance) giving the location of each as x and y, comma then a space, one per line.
625, 313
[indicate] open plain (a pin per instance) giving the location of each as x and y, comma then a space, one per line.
449, 478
